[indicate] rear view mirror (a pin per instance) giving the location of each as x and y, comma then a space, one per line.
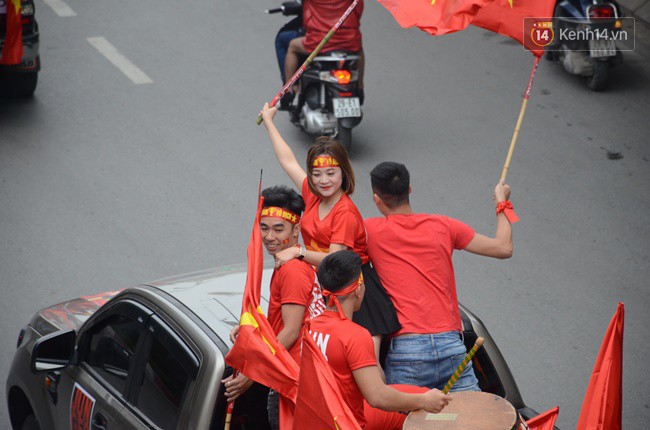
53, 352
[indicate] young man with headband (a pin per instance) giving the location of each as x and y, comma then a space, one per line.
412, 255
350, 353
295, 294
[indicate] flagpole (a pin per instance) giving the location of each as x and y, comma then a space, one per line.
463, 364
309, 59
520, 120
235, 372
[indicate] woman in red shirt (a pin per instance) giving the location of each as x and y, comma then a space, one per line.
331, 221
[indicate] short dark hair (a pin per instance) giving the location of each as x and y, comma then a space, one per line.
325, 145
391, 181
338, 270
283, 197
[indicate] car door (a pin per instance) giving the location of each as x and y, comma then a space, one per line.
93, 392
165, 376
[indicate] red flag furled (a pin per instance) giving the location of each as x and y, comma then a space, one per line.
603, 404
257, 353
12, 52
436, 17
507, 17
544, 421
320, 404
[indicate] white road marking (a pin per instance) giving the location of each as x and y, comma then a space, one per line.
120, 61
60, 8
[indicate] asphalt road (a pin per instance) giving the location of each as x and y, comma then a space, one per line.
105, 183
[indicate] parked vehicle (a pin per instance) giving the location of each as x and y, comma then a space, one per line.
152, 356
585, 39
329, 101
19, 80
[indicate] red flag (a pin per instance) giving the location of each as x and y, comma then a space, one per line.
507, 17
12, 52
257, 353
543, 421
435, 17
320, 404
602, 407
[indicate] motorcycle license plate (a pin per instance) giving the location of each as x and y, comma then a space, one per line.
346, 107
602, 48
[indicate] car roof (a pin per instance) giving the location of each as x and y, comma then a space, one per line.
214, 295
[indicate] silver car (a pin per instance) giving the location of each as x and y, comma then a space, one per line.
152, 357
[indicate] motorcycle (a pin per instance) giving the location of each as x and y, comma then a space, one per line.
329, 101
585, 35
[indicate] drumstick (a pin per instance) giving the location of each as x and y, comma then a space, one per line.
461, 368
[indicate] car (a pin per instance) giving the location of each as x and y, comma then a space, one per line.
152, 356
19, 80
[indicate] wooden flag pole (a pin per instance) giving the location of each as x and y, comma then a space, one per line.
231, 405
462, 366
309, 59
520, 120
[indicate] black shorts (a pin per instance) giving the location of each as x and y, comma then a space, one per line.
377, 313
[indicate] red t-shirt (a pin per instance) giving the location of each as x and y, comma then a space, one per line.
318, 18
412, 255
347, 347
294, 283
343, 225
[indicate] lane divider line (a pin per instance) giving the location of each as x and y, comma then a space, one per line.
120, 61
60, 8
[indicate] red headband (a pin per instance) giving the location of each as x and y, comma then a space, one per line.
343, 292
324, 161
279, 213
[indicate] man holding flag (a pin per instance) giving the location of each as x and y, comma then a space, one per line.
294, 292
412, 254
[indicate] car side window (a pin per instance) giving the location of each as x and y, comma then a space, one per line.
112, 348
170, 368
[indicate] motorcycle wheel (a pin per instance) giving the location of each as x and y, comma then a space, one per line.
598, 81
344, 136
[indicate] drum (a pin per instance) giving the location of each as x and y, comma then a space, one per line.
469, 410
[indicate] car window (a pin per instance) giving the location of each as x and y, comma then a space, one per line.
163, 386
111, 348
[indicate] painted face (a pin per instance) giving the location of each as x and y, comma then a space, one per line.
327, 180
278, 234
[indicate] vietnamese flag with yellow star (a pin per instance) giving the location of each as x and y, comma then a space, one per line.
436, 17
506, 17
320, 404
12, 53
257, 353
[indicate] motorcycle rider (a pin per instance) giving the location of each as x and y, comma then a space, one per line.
318, 17
291, 30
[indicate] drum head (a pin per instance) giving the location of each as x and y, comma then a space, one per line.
469, 410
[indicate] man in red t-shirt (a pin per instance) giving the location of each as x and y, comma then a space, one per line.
412, 255
295, 295
349, 350
318, 18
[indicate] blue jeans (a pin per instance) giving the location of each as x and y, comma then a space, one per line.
429, 360
282, 41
